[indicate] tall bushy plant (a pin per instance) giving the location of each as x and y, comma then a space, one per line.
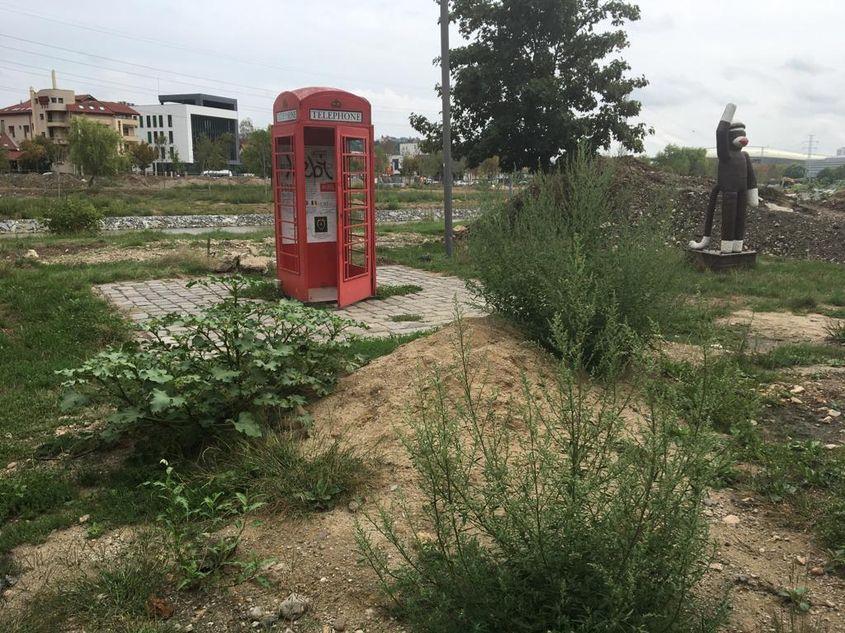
567, 251
550, 517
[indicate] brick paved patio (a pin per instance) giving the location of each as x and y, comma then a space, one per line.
435, 303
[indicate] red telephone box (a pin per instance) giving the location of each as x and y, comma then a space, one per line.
323, 194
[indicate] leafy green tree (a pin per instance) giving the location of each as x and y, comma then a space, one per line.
382, 159
830, 175
176, 161
245, 129
256, 153
410, 165
142, 155
489, 168
212, 153
795, 170
95, 149
686, 161
537, 79
38, 154
4, 159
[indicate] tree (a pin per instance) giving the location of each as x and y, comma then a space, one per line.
256, 152
142, 155
245, 129
4, 159
38, 154
686, 161
795, 170
830, 175
382, 159
176, 161
537, 79
94, 149
489, 168
410, 165
212, 153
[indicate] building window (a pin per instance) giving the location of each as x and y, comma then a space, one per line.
170, 121
25, 131
53, 99
162, 152
140, 121
148, 121
150, 138
61, 99
171, 136
12, 131
161, 120
41, 116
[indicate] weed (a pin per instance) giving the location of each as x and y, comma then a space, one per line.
192, 523
802, 303
296, 475
112, 596
790, 621
522, 525
835, 329
562, 253
29, 493
383, 291
399, 318
793, 355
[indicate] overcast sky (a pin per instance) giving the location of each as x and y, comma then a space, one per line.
781, 62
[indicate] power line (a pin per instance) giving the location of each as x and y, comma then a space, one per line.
403, 111
199, 51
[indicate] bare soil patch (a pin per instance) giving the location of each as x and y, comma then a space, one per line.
768, 330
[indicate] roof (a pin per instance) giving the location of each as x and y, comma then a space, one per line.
107, 108
200, 99
11, 147
23, 107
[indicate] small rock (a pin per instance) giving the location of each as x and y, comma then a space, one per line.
731, 519
269, 620
795, 400
255, 263
394, 487
370, 613
84, 518
801, 560
255, 613
817, 571
293, 607
11, 465
31, 255
834, 413
339, 624
716, 566
797, 389
354, 506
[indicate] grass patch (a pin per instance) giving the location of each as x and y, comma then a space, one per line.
113, 596
383, 291
430, 256
400, 318
291, 474
367, 349
795, 355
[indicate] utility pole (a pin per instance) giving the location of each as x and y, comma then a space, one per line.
811, 143
447, 124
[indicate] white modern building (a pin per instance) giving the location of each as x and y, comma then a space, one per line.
176, 123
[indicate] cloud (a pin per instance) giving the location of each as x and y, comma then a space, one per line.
805, 66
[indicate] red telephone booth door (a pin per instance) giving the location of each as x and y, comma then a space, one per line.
356, 261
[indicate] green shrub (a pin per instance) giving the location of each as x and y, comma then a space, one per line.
565, 250
33, 492
548, 516
239, 365
73, 215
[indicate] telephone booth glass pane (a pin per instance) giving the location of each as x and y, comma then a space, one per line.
285, 196
355, 183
